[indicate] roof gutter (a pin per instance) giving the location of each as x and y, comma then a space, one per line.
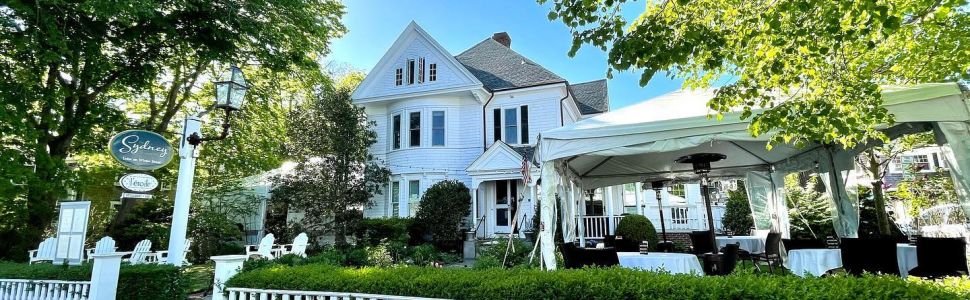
561, 108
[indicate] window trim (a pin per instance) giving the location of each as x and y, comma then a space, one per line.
397, 139
444, 126
411, 129
432, 72
499, 130
398, 77
409, 64
394, 199
411, 206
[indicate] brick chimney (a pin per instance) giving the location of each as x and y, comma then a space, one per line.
503, 38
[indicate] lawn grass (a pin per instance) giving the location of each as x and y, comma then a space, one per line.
199, 278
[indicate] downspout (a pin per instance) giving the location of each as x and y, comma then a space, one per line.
485, 128
561, 108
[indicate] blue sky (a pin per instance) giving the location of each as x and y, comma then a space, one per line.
458, 25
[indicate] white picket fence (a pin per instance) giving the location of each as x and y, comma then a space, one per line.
258, 294
21, 289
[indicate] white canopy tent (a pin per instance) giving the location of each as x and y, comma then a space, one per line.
641, 142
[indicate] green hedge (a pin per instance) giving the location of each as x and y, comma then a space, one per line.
609, 283
162, 282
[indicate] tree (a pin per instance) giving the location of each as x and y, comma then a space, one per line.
61, 61
810, 213
814, 66
876, 160
442, 208
737, 212
335, 176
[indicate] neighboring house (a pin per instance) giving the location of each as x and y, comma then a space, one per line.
923, 160
475, 117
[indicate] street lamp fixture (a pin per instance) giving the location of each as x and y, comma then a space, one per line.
230, 96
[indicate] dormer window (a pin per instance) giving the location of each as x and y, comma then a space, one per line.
411, 70
432, 72
399, 77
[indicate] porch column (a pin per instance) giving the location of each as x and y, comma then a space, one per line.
639, 197
474, 222
608, 206
580, 223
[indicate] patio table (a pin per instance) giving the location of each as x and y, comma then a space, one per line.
750, 243
813, 261
674, 263
906, 258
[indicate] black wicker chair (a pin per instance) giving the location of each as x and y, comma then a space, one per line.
772, 254
940, 257
574, 257
700, 242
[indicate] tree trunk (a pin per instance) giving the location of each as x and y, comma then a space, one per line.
882, 219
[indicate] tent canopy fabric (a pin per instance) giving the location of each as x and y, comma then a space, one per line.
641, 142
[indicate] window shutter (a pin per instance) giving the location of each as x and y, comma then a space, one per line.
524, 115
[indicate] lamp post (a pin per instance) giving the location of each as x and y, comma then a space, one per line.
230, 95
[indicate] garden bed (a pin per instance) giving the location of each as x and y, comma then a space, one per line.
609, 283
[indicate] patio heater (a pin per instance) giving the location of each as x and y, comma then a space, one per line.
665, 245
701, 162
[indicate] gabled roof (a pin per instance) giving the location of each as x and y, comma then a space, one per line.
499, 156
591, 97
501, 68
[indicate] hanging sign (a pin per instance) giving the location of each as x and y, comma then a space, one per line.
135, 196
141, 150
138, 182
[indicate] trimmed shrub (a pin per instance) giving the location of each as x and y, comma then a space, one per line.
600, 283
443, 206
518, 255
374, 231
135, 282
737, 212
637, 228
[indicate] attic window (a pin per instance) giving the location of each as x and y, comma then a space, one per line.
399, 77
410, 66
432, 72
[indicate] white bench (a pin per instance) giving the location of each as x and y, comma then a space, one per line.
44, 252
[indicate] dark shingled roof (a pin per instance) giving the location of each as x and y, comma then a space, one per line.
591, 97
527, 152
501, 68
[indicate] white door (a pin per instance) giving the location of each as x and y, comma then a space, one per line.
505, 197
72, 227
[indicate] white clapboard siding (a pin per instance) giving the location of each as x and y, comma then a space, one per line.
17, 289
258, 294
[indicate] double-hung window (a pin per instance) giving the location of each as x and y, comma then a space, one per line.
414, 136
414, 197
511, 125
410, 65
437, 128
395, 204
396, 133
398, 76
432, 72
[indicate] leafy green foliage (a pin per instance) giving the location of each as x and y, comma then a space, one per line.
442, 208
604, 283
335, 175
737, 212
803, 71
922, 191
147, 281
810, 213
373, 231
515, 255
637, 228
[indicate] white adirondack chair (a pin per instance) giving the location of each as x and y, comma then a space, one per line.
162, 256
44, 252
142, 253
264, 249
104, 245
298, 246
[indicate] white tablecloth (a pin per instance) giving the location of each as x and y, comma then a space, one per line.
752, 244
674, 263
813, 261
906, 257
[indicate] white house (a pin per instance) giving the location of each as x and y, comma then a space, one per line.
475, 117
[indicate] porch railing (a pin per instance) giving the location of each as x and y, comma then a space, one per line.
678, 218
245, 293
15, 289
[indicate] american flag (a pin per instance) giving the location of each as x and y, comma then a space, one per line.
526, 171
